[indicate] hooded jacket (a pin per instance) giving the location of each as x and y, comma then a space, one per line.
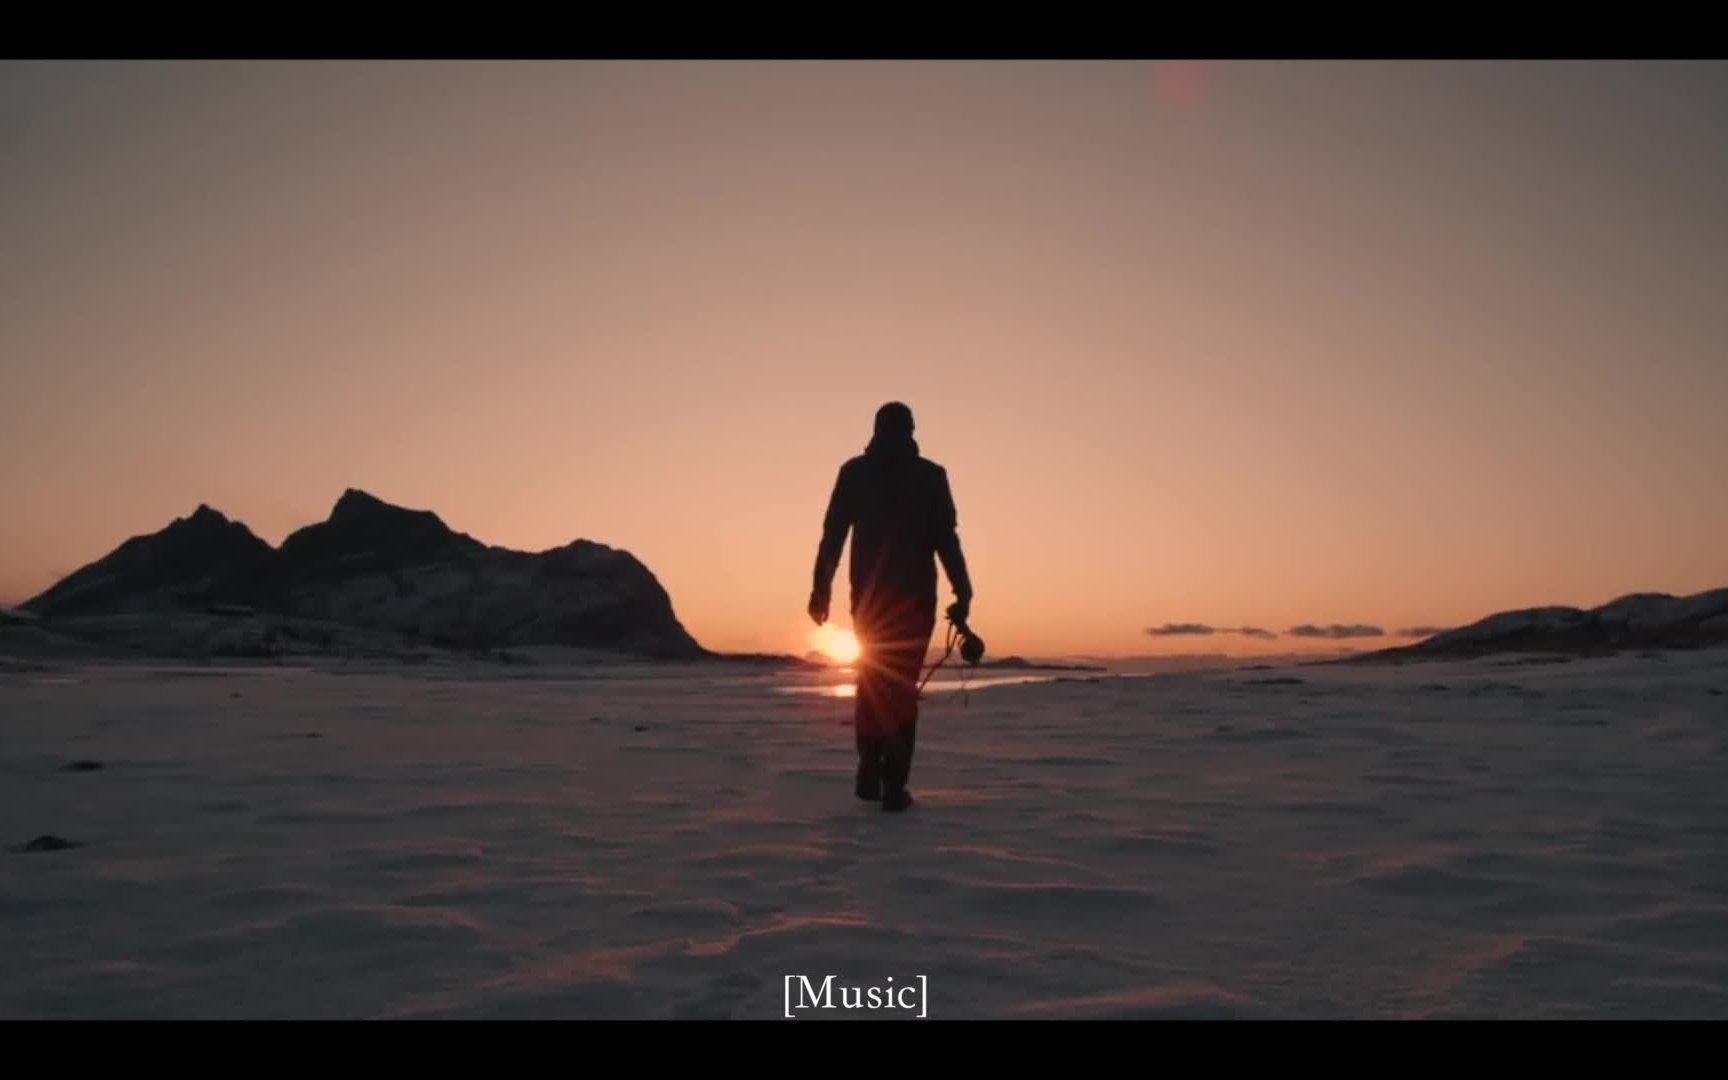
900, 511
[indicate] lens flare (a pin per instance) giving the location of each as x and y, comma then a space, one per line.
835, 642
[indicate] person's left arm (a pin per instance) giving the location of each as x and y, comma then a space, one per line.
948, 549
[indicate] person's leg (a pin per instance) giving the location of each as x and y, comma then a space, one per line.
868, 784
869, 724
897, 754
905, 668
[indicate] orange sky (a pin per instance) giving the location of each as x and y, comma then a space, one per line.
1237, 345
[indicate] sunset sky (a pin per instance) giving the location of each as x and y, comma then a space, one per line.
1224, 344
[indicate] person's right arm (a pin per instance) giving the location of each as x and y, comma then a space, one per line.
835, 524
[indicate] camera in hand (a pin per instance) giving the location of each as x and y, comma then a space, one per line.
971, 645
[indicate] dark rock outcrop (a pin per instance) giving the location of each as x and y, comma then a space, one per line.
380, 568
185, 566
49, 843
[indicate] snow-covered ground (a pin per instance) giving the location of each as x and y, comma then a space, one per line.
1481, 839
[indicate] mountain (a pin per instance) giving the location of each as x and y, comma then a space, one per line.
184, 566
382, 568
1635, 621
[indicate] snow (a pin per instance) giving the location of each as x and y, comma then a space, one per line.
1645, 611
1509, 622
1494, 838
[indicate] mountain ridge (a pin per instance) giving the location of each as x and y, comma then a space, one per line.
377, 566
1642, 620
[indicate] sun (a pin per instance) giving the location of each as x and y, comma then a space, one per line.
836, 642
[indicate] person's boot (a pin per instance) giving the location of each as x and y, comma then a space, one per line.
896, 771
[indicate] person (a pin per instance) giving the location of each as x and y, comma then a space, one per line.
899, 509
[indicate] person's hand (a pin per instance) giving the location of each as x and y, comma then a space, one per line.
819, 606
959, 611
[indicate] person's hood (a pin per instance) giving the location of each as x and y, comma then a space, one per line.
892, 444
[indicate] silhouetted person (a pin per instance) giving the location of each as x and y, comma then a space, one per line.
900, 511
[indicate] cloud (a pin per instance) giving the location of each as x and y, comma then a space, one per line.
1200, 629
1335, 631
1422, 631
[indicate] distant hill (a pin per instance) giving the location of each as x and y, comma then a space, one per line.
1640, 621
1017, 663
1172, 663
379, 568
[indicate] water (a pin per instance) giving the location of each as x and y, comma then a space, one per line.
847, 687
